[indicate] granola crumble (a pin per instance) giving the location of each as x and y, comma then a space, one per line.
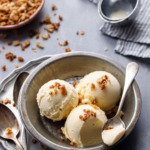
8, 131
20, 59
4, 67
10, 56
67, 49
65, 43
60, 17
87, 114
39, 44
54, 7
103, 82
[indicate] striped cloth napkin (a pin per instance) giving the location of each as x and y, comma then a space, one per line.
134, 38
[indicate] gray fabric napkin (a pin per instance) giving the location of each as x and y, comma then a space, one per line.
134, 38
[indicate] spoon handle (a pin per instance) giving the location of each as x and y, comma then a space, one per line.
18, 145
131, 71
24, 138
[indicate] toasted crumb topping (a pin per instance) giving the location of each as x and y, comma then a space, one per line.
94, 101
39, 44
60, 17
16, 65
87, 114
9, 42
121, 114
103, 82
65, 43
46, 20
16, 43
73, 143
54, 7
92, 86
75, 82
6, 101
63, 90
14, 104
25, 45
10, 56
58, 87
67, 49
20, 59
80, 33
8, 131
4, 67
45, 36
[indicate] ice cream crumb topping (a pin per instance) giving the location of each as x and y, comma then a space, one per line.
94, 101
73, 143
92, 86
8, 131
56, 86
87, 114
103, 82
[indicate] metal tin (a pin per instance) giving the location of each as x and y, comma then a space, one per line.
68, 66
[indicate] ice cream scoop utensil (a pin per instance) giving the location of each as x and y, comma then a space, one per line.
116, 122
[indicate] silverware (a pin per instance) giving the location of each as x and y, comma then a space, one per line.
17, 86
116, 122
9, 127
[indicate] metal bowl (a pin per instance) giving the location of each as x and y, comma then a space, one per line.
118, 12
68, 66
18, 25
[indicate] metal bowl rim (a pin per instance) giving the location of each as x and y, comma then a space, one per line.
41, 138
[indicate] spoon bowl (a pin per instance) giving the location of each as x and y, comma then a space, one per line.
114, 129
9, 127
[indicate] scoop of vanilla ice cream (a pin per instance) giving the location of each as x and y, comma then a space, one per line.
100, 88
56, 99
84, 124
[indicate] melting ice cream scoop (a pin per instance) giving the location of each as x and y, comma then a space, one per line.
56, 99
84, 124
100, 88
114, 129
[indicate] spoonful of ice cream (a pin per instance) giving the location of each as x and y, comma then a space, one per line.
114, 129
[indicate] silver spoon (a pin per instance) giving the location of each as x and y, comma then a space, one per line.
116, 122
9, 127
17, 86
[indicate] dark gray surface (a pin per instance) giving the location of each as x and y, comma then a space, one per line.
81, 15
